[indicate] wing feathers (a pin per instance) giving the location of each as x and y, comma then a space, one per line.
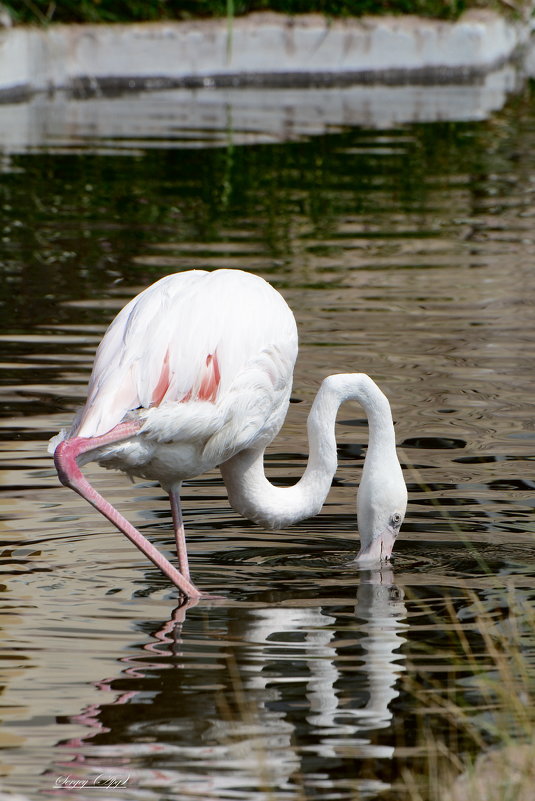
194, 338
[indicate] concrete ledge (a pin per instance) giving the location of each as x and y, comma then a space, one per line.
261, 49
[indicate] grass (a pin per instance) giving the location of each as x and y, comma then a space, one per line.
494, 718
94, 11
499, 721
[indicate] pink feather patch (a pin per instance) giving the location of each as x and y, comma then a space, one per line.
211, 379
163, 383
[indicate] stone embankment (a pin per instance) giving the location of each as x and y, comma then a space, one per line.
262, 49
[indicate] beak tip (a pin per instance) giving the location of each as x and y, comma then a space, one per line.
376, 550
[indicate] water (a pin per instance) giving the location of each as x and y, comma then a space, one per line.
406, 252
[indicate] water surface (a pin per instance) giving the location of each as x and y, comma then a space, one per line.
406, 252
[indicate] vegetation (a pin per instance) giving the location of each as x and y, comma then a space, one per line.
44, 11
492, 644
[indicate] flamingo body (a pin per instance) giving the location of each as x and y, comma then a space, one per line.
196, 372
204, 362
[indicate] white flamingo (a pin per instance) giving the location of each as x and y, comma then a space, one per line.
196, 372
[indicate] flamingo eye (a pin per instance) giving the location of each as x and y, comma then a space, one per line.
396, 519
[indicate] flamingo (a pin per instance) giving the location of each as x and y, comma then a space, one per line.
196, 372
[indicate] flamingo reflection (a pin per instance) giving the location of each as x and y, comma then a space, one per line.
244, 705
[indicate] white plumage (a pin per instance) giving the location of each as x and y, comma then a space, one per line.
196, 372
201, 359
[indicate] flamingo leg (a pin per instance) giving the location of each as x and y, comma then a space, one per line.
180, 534
65, 458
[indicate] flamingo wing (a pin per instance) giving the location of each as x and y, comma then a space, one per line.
225, 338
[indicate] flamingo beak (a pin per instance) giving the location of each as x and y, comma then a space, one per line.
378, 548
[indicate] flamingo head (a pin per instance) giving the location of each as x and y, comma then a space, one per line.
381, 507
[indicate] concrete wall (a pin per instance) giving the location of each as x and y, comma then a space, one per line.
268, 49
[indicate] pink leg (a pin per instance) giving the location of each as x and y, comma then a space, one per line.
180, 535
70, 474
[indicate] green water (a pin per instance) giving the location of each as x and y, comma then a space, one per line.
406, 252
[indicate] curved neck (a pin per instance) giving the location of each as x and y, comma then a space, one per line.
253, 496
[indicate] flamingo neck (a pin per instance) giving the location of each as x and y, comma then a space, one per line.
253, 496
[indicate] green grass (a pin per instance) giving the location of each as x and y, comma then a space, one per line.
45, 11
500, 725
